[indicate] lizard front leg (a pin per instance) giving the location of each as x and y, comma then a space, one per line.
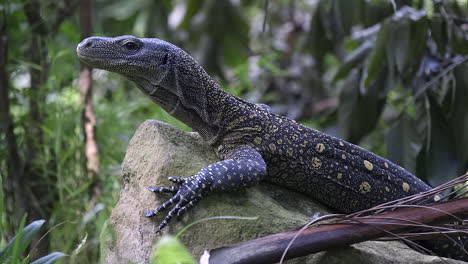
243, 166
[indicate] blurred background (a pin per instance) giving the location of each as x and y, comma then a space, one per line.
390, 76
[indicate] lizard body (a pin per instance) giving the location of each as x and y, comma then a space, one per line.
252, 143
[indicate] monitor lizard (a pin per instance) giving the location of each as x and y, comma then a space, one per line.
252, 143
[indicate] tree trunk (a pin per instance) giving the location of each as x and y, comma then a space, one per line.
85, 85
15, 203
36, 180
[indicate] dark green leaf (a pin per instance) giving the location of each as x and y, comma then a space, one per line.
122, 9
359, 111
439, 33
69, 30
353, 59
20, 242
417, 47
348, 101
49, 259
320, 44
458, 117
442, 164
459, 40
398, 44
404, 143
377, 58
346, 13
193, 7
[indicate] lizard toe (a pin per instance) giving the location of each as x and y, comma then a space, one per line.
184, 208
178, 180
171, 189
150, 213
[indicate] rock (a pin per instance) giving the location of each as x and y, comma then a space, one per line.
158, 150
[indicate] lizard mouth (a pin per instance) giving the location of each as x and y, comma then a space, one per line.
95, 57
86, 58
99, 62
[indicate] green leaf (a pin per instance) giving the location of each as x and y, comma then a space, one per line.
17, 246
49, 259
70, 31
346, 14
442, 164
192, 8
169, 250
353, 59
319, 37
348, 101
459, 40
398, 44
377, 56
458, 118
122, 9
267, 62
404, 143
21, 241
417, 45
359, 111
438, 27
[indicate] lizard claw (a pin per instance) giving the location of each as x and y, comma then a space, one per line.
171, 189
186, 193
150, 213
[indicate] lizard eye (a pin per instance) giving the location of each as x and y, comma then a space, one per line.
164, 60
130, 45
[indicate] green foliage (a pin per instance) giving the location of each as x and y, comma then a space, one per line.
408, 66
14, 250
169, 250
404, 142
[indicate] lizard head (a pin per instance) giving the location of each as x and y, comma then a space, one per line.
163, 71
139, 59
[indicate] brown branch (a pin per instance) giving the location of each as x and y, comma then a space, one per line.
269, 249
85, 85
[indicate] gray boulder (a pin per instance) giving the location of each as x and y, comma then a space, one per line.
159, 150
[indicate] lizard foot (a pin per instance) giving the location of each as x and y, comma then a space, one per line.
187, 192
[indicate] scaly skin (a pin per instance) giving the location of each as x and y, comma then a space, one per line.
253, 144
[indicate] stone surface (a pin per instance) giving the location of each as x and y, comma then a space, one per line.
159, 150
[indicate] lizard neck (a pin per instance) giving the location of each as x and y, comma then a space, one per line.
194, 98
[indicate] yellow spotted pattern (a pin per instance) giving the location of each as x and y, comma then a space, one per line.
320, 147
406, 187
368, 165
258, 140
365, 187
316, 162
339, 174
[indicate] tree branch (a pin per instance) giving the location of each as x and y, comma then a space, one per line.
269, 249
